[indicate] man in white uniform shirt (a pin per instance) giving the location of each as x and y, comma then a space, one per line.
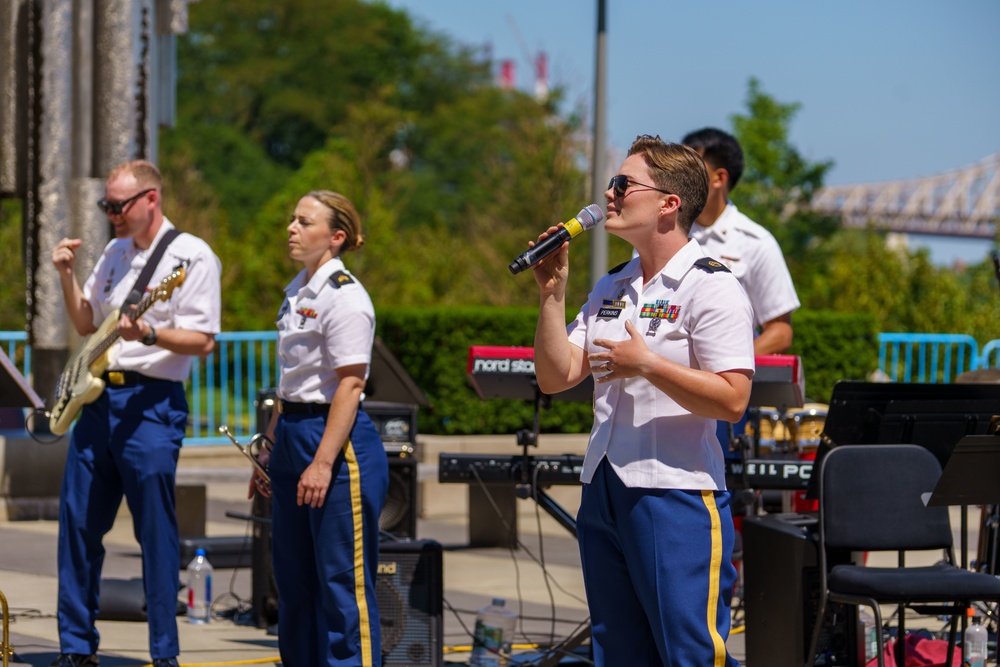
127, 441
747, 249
668, 337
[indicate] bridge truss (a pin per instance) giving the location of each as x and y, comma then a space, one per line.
963, 203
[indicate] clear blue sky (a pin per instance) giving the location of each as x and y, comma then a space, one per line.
889, 90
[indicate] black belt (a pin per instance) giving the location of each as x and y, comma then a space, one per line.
127, 378
289, 408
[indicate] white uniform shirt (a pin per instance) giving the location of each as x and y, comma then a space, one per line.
694, 317
195, 305
323, 325
753, 255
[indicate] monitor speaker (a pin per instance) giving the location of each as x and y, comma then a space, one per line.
781, 592
399, 515
410, 592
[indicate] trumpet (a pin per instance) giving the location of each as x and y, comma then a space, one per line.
257, 442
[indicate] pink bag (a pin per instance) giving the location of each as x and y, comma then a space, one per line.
920, 652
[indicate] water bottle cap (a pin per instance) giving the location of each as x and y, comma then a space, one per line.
499, 602
199, 552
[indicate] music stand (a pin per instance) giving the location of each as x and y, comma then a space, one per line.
15, 392
970, 478
388, 381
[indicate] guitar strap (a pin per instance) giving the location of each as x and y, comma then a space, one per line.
147, 271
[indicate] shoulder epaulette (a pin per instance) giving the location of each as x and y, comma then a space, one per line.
618, 268
711, 265
341, 278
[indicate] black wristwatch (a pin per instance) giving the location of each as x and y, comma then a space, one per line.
150, 338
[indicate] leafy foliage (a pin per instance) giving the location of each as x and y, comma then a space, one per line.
12, 276
354, 98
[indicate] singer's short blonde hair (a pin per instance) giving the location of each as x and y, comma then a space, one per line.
343, 216
677, 169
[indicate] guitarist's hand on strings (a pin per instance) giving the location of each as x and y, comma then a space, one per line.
132, 330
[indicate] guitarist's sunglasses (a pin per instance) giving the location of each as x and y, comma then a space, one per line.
118, 207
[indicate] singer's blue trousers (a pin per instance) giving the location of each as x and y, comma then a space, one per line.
126, 442
326, 558
658, 572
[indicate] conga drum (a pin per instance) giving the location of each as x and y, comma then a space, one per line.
806, 426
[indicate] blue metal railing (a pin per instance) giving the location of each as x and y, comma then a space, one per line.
931, 358
989, 349
223, 387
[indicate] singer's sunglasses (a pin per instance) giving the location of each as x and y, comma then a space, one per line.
621, 182
118, 207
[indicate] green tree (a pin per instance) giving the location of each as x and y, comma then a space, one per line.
12, 276
778, 183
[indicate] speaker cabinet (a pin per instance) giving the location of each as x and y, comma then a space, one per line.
399, 515
781, 587
410, 593
396, 424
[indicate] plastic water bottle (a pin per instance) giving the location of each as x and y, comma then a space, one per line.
199, 584
494, 635
871, 635
975, 638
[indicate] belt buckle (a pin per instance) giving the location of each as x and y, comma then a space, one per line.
116, 377
281, 406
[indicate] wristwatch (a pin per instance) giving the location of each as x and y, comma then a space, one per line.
150, 338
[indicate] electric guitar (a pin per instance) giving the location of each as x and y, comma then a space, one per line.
80, 382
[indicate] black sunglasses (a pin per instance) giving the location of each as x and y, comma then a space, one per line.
118, 207
620, 185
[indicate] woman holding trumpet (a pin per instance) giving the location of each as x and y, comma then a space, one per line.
328, 468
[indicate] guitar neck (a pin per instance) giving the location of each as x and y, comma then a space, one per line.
112, 337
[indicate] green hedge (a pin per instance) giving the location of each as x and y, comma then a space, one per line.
433, 345
834, 346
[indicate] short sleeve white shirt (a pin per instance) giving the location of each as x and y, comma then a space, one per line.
194, 305
755, 258
324, 324
698, 318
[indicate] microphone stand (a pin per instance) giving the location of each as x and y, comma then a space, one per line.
526, 487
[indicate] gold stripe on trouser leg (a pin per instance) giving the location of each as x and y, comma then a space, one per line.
360, 572
708, 497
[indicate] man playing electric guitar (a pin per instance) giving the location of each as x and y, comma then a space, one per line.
126, 442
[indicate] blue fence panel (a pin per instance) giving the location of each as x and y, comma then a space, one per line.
924, 357
17, 349
224, 386
991, 348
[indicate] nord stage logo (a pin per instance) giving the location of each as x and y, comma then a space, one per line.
525, 366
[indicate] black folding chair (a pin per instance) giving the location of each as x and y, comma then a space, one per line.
872, 499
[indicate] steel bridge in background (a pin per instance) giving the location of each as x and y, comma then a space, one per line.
962, 203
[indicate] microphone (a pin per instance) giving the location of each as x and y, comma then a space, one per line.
587, 217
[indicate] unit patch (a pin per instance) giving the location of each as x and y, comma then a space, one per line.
341, 278
711, 265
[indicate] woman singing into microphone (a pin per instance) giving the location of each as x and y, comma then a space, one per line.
329, 472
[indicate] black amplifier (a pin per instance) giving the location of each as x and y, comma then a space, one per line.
396, 424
